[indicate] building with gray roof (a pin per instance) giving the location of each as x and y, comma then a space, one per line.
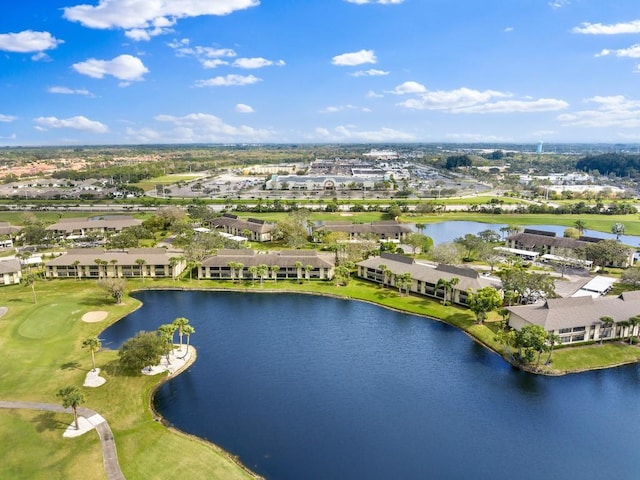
10, 272
102, 225
578, 319
424, 277
283, 264
134, 262
258, 230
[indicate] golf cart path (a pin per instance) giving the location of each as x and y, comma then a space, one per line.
111, 465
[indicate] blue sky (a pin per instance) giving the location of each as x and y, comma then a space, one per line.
310, 71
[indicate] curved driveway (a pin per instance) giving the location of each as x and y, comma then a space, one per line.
109, 452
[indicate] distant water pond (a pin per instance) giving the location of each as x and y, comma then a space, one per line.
446, 231
305, 387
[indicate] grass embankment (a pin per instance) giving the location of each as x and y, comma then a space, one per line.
43, 353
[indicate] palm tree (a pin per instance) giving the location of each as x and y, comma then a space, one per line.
75, 265
447, 286
421, 227
633, 322
552, 340
98, 262
307, 270
385, 271
253, 270
580, 225
166, 332
93, 344
29, 280
298, 266
617, 229
607, 322
180, 323
263, 271
274, 272
188, 330
141, 262
115, 271
173, 261
71, 397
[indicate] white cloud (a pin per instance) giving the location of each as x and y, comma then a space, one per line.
354, 58
515, 106
381, 2
143, 135
228, 81
28, 41
467, 100
342, 108
143, 19
123, 67
609, 111
209, 57
243, 108
508, 30
69, 91
372, 94
409, 87
257, 62
350, 134
369, 73
7, 118
612, 29
202, 127
631, 52
76, 123
559, 3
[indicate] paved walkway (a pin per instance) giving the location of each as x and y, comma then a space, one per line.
109, 452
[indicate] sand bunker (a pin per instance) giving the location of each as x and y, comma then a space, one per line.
97, 316
3, 310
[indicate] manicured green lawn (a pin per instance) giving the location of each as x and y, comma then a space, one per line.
42, 345
594, 356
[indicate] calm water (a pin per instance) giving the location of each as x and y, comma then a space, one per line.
447, 231
304, 387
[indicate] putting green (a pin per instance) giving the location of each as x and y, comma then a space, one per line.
46, 321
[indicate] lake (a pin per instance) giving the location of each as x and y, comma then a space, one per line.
306, 387
447, 231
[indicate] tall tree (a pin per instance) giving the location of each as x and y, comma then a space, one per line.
114, 287
71, 397
180, 323
141, 262
188, 330
617, 229
447, 288
274, 272
166, 332
93, 344
142, 350
607, 324
29, 280
483, 301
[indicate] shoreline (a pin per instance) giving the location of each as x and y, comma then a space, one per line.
157, 417
528, 369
